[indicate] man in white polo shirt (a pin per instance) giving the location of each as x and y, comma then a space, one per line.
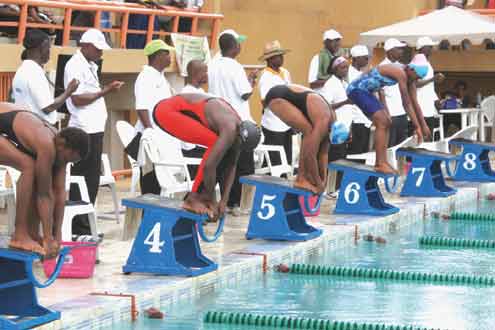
318, 68
276, 132
30, 86
427, 97
151, 87
393, 99
227, 79
88, 112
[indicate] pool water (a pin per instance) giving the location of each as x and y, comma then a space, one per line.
360, 300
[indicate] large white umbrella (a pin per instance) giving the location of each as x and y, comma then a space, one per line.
450, 23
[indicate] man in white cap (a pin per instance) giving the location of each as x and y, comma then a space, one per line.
427, 97
318, 68
88, 112
391, 97
276, 132
227, 79
360, 128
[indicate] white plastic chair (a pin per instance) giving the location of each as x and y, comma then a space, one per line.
438, 129
164, 151
126, 133
443, 145
370, 157
8, 200
73, 208
488, 108
107, 180
262, 153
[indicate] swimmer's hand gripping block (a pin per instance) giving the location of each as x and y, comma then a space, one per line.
167, 239
425, 177
359, 190
276, 213
474, 164
19, 307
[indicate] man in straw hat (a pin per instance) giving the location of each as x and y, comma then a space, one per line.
276, 132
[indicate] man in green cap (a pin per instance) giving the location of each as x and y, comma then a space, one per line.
151, 86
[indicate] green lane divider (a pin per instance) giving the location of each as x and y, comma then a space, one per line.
472, 216
297, 322
387, 274
457, 242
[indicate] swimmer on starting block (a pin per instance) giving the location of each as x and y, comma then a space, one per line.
305, 111
211, 122
361, 92
35, 148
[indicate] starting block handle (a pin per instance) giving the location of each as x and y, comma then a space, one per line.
63, 252
392, 189
215, 236
307, 205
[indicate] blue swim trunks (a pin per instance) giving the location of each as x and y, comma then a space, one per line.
366, 101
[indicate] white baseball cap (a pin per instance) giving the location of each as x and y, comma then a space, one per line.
359, 50
95, 37
331, 35
425, 41
237, 36
393, 43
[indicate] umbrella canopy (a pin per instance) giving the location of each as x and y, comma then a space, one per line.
450, 23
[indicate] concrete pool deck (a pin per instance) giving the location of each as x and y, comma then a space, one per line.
80, 310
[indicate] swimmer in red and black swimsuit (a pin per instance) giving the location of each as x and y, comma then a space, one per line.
213, 123
307, 112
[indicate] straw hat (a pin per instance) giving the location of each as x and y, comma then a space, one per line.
273, 48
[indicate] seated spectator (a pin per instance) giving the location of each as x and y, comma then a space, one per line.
461, 91
139, 22
11, 13
185, 23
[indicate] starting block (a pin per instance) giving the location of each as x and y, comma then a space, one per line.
276, 213
359, 191
474, 164
425, 177
19, 307
167, 239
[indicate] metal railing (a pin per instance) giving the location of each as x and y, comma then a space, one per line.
124, 10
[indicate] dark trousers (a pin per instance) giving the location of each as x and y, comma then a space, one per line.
90, 169
245, 166
283, 139
360, 139
398, 130
336, 152
148, 182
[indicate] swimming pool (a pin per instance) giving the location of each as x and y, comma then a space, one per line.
443, 306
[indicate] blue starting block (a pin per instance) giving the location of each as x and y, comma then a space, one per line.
359, 191
167, 239
19, 307
425, 177
474, 164
276, 213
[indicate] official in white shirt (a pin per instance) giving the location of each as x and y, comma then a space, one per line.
276, 132
88, 112
427, 97
150, 87
334, 92
360, 128
197, 76
393, 99
30, 86
228, 80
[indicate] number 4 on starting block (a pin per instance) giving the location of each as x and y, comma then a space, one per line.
276, 213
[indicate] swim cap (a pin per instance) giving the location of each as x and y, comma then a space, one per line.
250, 135
339, 133
421, 70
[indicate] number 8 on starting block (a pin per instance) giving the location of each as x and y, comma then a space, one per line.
474, 164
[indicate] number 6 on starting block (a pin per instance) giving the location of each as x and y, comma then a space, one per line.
276, 213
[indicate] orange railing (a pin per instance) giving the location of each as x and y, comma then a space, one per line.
115, 8
5, 85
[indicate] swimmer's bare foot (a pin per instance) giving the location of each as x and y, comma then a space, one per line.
36, 237
193, 204
51, 247
26, 244
304, 184
386, 168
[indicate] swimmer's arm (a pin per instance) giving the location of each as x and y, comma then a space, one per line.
233, 158
144, 116
221, 146
406, 102
44, 198
417, 108
60, 197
